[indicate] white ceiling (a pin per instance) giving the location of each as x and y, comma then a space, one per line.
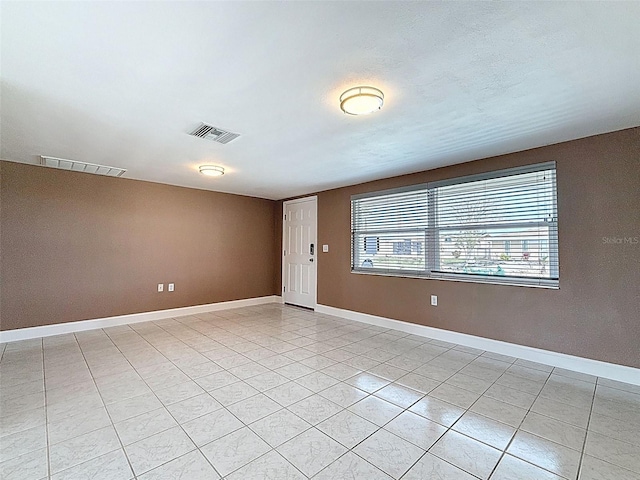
122, 83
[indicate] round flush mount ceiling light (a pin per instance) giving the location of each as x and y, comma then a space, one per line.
211, 170
361, 100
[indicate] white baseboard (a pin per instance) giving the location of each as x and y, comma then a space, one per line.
82, 325
611, 371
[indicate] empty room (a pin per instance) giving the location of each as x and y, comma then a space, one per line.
319, 240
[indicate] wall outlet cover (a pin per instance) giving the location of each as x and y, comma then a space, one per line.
434, 300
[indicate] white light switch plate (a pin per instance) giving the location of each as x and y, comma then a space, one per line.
325, 248
171, 287
161, 287
434, 300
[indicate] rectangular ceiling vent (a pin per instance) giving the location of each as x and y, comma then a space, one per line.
215, 134
84, 167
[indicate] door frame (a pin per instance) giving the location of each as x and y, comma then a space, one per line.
316, 256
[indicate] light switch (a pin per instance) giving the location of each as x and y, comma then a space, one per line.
325, 248
161, 287
171, 287
434, 300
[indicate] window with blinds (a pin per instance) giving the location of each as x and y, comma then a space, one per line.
499, 227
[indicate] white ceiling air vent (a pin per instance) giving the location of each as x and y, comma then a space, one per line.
76, 166
214, 133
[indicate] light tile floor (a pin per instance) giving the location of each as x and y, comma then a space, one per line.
282, 393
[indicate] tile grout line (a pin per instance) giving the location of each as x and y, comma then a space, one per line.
450, 428
223, 406
395, 354
584, 443
245, 425
163, 406
46, 409
104, 405
282, 407
249, 359
207, 392
266, 333
504, 452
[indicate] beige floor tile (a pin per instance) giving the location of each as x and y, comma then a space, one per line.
499, 411
132, 407
454, 395
619, 453
512, 468
235, 450
22, 421
467, 454
437, 410
347, 428
375, 410
111, 466
279, 427
416, 429
343, 394
80, 449
145, 425
432, 467
311, 451
578, 417
367, 382
31, 466
595, 469
389, 453
612, 427
546, 454
399, 395
23, 442
212, 426
493, 433
314, 409
511, 396
270, 465
554, 430
234, 393
467, 382
296, 370
193, 407
351, 466
288, 393
158, 449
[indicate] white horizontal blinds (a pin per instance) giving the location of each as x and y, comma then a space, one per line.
499, 227
504, 226
389, 231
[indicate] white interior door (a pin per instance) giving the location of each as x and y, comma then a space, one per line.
299, 245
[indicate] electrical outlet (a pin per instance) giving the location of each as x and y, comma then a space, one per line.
171, 287
325, 248
161, 287
434, 300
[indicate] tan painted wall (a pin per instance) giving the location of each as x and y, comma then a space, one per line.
596, 312
75, 246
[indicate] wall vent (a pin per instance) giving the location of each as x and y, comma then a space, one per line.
214, 134
84, 167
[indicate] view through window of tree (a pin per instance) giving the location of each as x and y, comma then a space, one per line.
499, 227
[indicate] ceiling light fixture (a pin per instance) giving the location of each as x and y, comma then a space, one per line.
211, 170
361, 100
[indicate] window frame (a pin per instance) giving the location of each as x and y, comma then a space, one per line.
431, 250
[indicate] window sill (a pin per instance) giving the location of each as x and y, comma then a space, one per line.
449, 278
